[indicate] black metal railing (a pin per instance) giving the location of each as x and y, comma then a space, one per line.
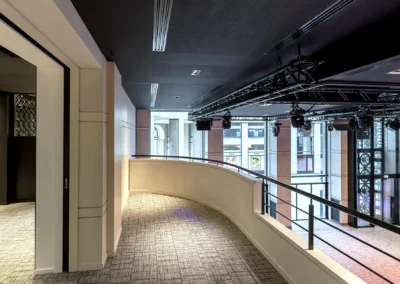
266, 208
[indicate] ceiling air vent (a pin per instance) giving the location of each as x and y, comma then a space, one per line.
162, 15
153, 94
326, 14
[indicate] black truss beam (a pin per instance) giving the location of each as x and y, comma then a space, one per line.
292, 78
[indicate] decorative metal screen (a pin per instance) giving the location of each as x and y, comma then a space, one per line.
24, 115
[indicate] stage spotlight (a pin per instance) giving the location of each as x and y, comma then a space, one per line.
330, 127
297, 118
226, 122
307, 125
204, 124
276, 128
393, 124
365, 119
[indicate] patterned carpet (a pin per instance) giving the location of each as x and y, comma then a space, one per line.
172, 240
17, 241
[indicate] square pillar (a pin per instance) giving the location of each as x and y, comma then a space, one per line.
338, 171
216, 142
92, 205
280, 169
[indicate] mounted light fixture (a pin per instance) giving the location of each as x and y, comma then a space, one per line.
162, 15
330, 127
276, 128
196, 72
365, 119
226, 121
307, 125
393, 124
344, 124
297, 118
394, 72
153, 94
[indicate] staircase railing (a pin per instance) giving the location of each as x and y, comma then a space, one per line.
266, 209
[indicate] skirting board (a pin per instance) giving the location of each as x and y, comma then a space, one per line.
112, 253
256, 244
43, 271
90, 266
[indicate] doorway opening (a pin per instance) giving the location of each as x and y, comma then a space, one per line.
17, 164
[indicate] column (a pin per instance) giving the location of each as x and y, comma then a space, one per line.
173, 132
92, 204
245, 145
3, 148
216, 142
338, 172
143, 132
280, 169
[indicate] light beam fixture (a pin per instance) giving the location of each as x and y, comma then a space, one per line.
162, 15
153, 94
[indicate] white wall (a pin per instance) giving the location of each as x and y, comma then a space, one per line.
212, 185
121, 145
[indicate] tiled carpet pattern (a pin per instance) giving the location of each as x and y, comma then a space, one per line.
172, 240
17, 243
380, 238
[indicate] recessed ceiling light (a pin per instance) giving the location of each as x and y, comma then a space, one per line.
153, 94
394, 72
196, 72
265, 104
177, 97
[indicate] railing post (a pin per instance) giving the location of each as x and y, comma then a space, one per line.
264, 197
310, 227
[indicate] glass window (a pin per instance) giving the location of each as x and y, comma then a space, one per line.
309, 150
244, 145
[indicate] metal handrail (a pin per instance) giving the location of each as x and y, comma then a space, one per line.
329, 203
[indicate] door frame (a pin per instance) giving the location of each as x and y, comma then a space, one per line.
66, 140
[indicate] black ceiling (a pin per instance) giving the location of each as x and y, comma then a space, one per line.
226, 39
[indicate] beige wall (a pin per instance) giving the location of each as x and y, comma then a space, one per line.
238, 197
58, 28
143, 131
121, 145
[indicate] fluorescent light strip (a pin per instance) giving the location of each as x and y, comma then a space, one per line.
153, 94
162, 15
395, 72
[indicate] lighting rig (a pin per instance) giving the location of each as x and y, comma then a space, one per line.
227, 121
393, 124
276, 128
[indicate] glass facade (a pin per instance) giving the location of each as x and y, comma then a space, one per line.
174, 135
377, 173
244, 145
309, 168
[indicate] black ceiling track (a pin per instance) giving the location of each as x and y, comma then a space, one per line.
325, 15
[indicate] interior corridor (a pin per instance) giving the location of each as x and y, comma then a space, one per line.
173, 240
17, 242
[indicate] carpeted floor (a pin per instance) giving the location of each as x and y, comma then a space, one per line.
169, 240
17, 241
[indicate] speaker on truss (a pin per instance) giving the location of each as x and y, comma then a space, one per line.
204, 125
344, 124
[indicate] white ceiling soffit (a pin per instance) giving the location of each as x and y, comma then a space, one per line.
162, 15
61, 24
19, 45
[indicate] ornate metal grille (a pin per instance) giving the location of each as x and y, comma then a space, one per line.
24, 115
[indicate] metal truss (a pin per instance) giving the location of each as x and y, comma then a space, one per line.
292, 78
295, 84
342, 112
